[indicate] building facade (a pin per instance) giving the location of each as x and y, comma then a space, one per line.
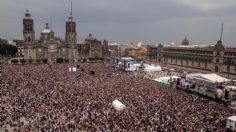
217, 58
50, 47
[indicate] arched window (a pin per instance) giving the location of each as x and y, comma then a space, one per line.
28, 39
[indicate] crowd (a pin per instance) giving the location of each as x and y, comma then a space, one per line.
43, 97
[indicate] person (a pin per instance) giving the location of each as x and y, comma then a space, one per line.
40, 99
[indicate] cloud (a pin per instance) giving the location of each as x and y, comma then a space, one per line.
209, 5
150, 21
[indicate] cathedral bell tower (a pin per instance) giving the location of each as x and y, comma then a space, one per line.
71, 35
28, 28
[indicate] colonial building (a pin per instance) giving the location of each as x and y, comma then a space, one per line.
50, 47
217, 58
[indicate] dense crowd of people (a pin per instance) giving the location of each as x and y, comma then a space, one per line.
47, 97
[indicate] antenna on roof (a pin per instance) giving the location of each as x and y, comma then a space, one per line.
71, 7
51, 22
221, 34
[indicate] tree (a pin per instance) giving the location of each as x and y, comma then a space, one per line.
38, 60
59, 60
14, 61
66, 60
93, 58
84, 60
7, 49
45, 60
102, 58
22, 61
30, 60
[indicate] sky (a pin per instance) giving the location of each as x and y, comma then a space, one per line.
147, 21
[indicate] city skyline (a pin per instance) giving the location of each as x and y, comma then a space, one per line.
125, 21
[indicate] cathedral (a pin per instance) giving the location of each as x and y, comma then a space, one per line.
50, 47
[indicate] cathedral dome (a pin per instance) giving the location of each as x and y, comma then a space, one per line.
46, 30
185, 41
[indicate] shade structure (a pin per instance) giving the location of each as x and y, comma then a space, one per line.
118, 105
152, 68
72, 69
162, 81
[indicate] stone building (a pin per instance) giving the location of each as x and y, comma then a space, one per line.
213, 58
50, 47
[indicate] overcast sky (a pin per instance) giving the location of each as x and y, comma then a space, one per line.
148, 21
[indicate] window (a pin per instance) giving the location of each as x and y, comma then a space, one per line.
228, 68
216, 69
28, 39
217, 60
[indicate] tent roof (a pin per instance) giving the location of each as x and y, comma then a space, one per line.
127, 58
175, 77
164, 78
232, 118
162, 81
210, 77
118, 105
215, 78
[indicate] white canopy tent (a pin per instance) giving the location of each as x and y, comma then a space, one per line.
134, 67
163, 78
118, 105
152, 68
72, 69
230, 123
209, 77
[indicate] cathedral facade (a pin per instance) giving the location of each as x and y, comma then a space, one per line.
50, 47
